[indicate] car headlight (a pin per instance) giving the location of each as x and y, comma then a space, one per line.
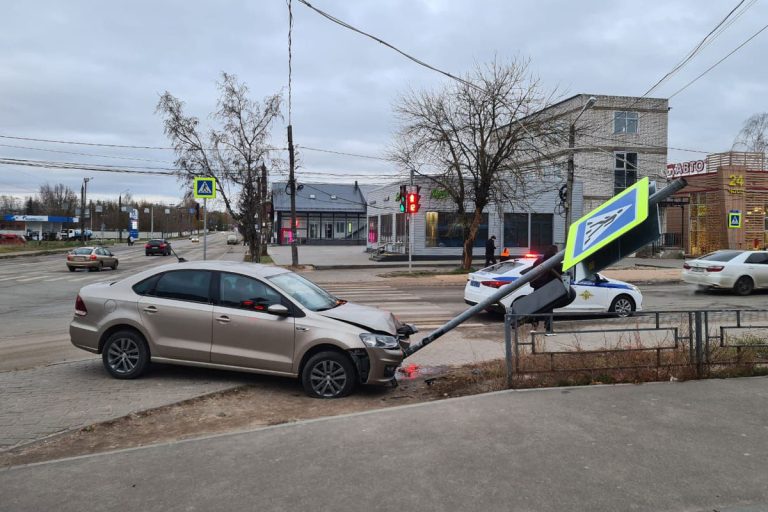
379, 340
634, 288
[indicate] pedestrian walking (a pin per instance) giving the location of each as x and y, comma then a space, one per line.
130, 240
490, 251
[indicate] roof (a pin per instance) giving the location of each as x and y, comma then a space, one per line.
316, 197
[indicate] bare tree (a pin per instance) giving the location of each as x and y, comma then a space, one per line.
467, 138
233, 154
754, 134
57, 199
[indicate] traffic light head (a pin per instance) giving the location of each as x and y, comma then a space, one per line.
412, 202
402, 198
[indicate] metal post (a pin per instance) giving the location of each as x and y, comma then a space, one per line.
508, 345
409, 216
526, 278
119, 222
152, 220
699, 358
205, 228
292, 185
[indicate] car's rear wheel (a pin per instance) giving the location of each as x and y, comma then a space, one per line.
744, 285
114, 267
146, 253
125, 355
623, 306
71, 269
328, 375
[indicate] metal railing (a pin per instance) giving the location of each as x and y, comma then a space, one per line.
694, 339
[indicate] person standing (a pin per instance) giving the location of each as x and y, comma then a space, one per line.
490, 251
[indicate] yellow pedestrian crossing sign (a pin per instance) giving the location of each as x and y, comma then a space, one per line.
205, 188
734, 219
606, 223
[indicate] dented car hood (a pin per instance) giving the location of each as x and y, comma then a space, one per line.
367, 317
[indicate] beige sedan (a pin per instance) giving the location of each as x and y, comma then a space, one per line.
91, 258
238, 316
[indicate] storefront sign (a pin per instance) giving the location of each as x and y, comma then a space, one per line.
686, 169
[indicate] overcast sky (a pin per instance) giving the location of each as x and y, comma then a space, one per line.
93, 72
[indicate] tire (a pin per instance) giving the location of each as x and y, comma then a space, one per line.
125, 355
623, 306
328, 375
744, 286
114, 267
71, 269
146, 254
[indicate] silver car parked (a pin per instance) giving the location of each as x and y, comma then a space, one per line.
238, 316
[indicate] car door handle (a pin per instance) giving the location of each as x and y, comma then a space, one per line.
150, 309
299, 328
223, 319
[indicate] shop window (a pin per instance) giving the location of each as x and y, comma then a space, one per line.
373, 229
515, 230
400, 227
625, 122
444, 229
541, 231
624, 170
386, 228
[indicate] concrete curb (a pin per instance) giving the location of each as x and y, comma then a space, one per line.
34, 253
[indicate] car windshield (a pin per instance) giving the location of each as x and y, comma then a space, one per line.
305, 291
83, 250
721, 255
156, 242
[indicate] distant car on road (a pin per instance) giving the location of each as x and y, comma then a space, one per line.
598, 294
238, 316
232, 239
194, 239
91, 258
159, 246
741, 271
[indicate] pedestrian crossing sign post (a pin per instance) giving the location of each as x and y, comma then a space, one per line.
734, 219
205, 188
598, 238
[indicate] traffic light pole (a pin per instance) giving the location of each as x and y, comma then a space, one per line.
205, 228
524, 279
410, 232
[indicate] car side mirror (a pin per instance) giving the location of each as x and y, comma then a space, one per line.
278, 309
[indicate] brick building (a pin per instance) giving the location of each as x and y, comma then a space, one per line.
723, 184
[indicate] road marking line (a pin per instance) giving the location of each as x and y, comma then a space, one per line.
56, 279
29, 279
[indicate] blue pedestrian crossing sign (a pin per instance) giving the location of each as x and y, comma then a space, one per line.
205, 188
734, 219
606, 223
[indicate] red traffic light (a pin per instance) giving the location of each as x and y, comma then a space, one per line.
412, 202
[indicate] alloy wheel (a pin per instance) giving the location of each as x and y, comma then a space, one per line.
328, 378
123, 355
623, 307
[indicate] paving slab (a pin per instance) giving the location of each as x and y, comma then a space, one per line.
691, 446
47, 400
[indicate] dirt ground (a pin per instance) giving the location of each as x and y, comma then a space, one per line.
270, 402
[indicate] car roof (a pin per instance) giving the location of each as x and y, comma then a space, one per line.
251, 269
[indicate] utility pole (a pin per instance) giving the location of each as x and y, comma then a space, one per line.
119, 221
292, 186
569, 180
83, 194
263, 213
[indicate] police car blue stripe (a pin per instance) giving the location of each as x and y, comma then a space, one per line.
605, 285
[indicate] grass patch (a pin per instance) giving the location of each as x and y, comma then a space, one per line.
427, 273
264, 260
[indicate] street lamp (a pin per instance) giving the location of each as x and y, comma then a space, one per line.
569, 181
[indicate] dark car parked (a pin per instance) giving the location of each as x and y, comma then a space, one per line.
157, 246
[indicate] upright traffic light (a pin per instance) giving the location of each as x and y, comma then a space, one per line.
402, 198
412, 200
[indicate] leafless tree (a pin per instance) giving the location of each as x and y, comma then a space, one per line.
57, 199
233, 153
468, 139
754, 134
10, 204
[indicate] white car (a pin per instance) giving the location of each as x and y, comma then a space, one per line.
597, 295
742, 271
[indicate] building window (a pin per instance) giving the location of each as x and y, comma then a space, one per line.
515, 230
624, 171
386, 228
400, 227
444, 229
373, 229
625, 122
541, 231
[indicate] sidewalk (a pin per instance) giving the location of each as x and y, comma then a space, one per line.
668, 446
47, 400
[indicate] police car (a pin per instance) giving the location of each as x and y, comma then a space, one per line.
598, 294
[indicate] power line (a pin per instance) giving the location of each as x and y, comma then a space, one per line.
85, 154
357, 155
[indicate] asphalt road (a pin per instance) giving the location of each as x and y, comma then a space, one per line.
37, 298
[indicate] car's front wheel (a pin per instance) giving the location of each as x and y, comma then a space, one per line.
328, 375
744, 285
125, 355
623, 306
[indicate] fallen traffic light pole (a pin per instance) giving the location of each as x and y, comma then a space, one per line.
526, 278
